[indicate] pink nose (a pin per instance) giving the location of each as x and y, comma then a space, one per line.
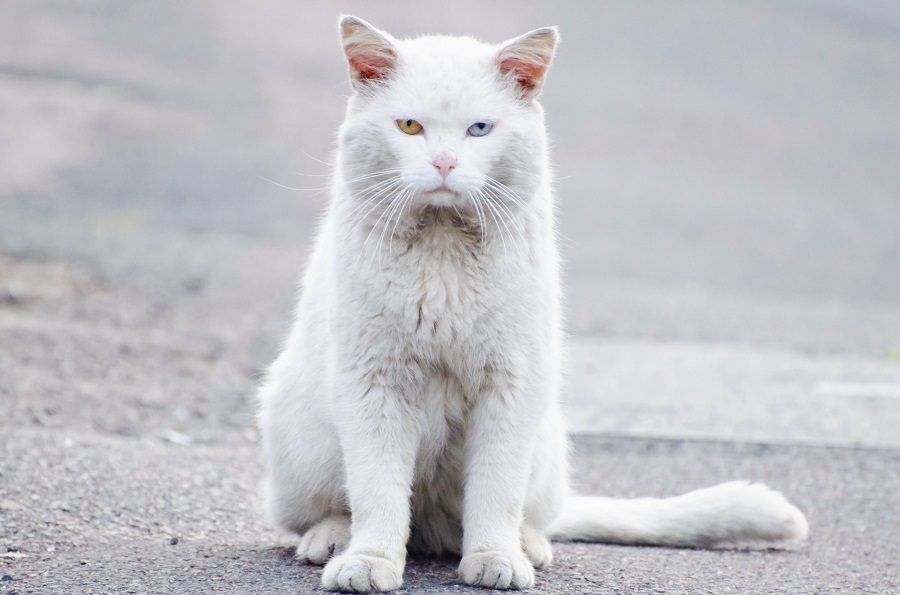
444, 163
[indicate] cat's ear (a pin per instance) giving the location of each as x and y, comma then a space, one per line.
371, 54
524, 60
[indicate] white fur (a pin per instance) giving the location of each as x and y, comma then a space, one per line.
419, 384
733, 514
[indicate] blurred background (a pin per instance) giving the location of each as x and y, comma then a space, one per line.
729, 207
729, 174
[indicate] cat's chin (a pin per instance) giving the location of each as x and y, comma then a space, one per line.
441, 197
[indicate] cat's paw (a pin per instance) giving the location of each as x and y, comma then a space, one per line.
537, 547
324, 539
361, 573
497, 570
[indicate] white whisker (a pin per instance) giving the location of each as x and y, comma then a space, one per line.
381, 196
496, 205
375, 226
286, 187
395, 207
407, 200
324, 188
315, 158
493, 213
478, 214
371, 192
508, 192
373, 174
513, 220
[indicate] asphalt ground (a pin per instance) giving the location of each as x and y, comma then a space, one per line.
94, 514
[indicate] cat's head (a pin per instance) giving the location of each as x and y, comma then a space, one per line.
444, 118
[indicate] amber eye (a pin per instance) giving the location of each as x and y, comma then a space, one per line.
409, 126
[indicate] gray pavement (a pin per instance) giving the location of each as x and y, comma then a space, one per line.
729, 207
91, 514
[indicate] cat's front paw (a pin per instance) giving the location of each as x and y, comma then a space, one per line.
362, 573
497, 570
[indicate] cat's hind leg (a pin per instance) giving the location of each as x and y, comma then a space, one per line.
536, 546
304, 489
325, 539
547, 489
305, 479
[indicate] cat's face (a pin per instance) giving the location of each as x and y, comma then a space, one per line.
447, 119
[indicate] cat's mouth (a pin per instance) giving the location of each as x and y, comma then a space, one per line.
442, 189
441, 196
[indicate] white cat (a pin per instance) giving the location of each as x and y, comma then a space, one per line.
416, 401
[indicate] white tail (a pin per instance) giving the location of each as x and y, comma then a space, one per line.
733, 514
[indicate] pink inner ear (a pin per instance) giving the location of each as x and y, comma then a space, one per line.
527, 74
370, 67
368, 64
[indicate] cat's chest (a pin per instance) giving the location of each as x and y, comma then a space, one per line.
442, 289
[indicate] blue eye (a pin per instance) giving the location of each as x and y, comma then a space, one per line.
479, 129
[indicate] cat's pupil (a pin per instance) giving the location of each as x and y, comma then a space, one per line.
409, 122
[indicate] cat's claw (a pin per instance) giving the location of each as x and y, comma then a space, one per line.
497, 570
324, 539
361, 573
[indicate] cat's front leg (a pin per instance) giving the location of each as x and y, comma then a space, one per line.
379, 442
499, 442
